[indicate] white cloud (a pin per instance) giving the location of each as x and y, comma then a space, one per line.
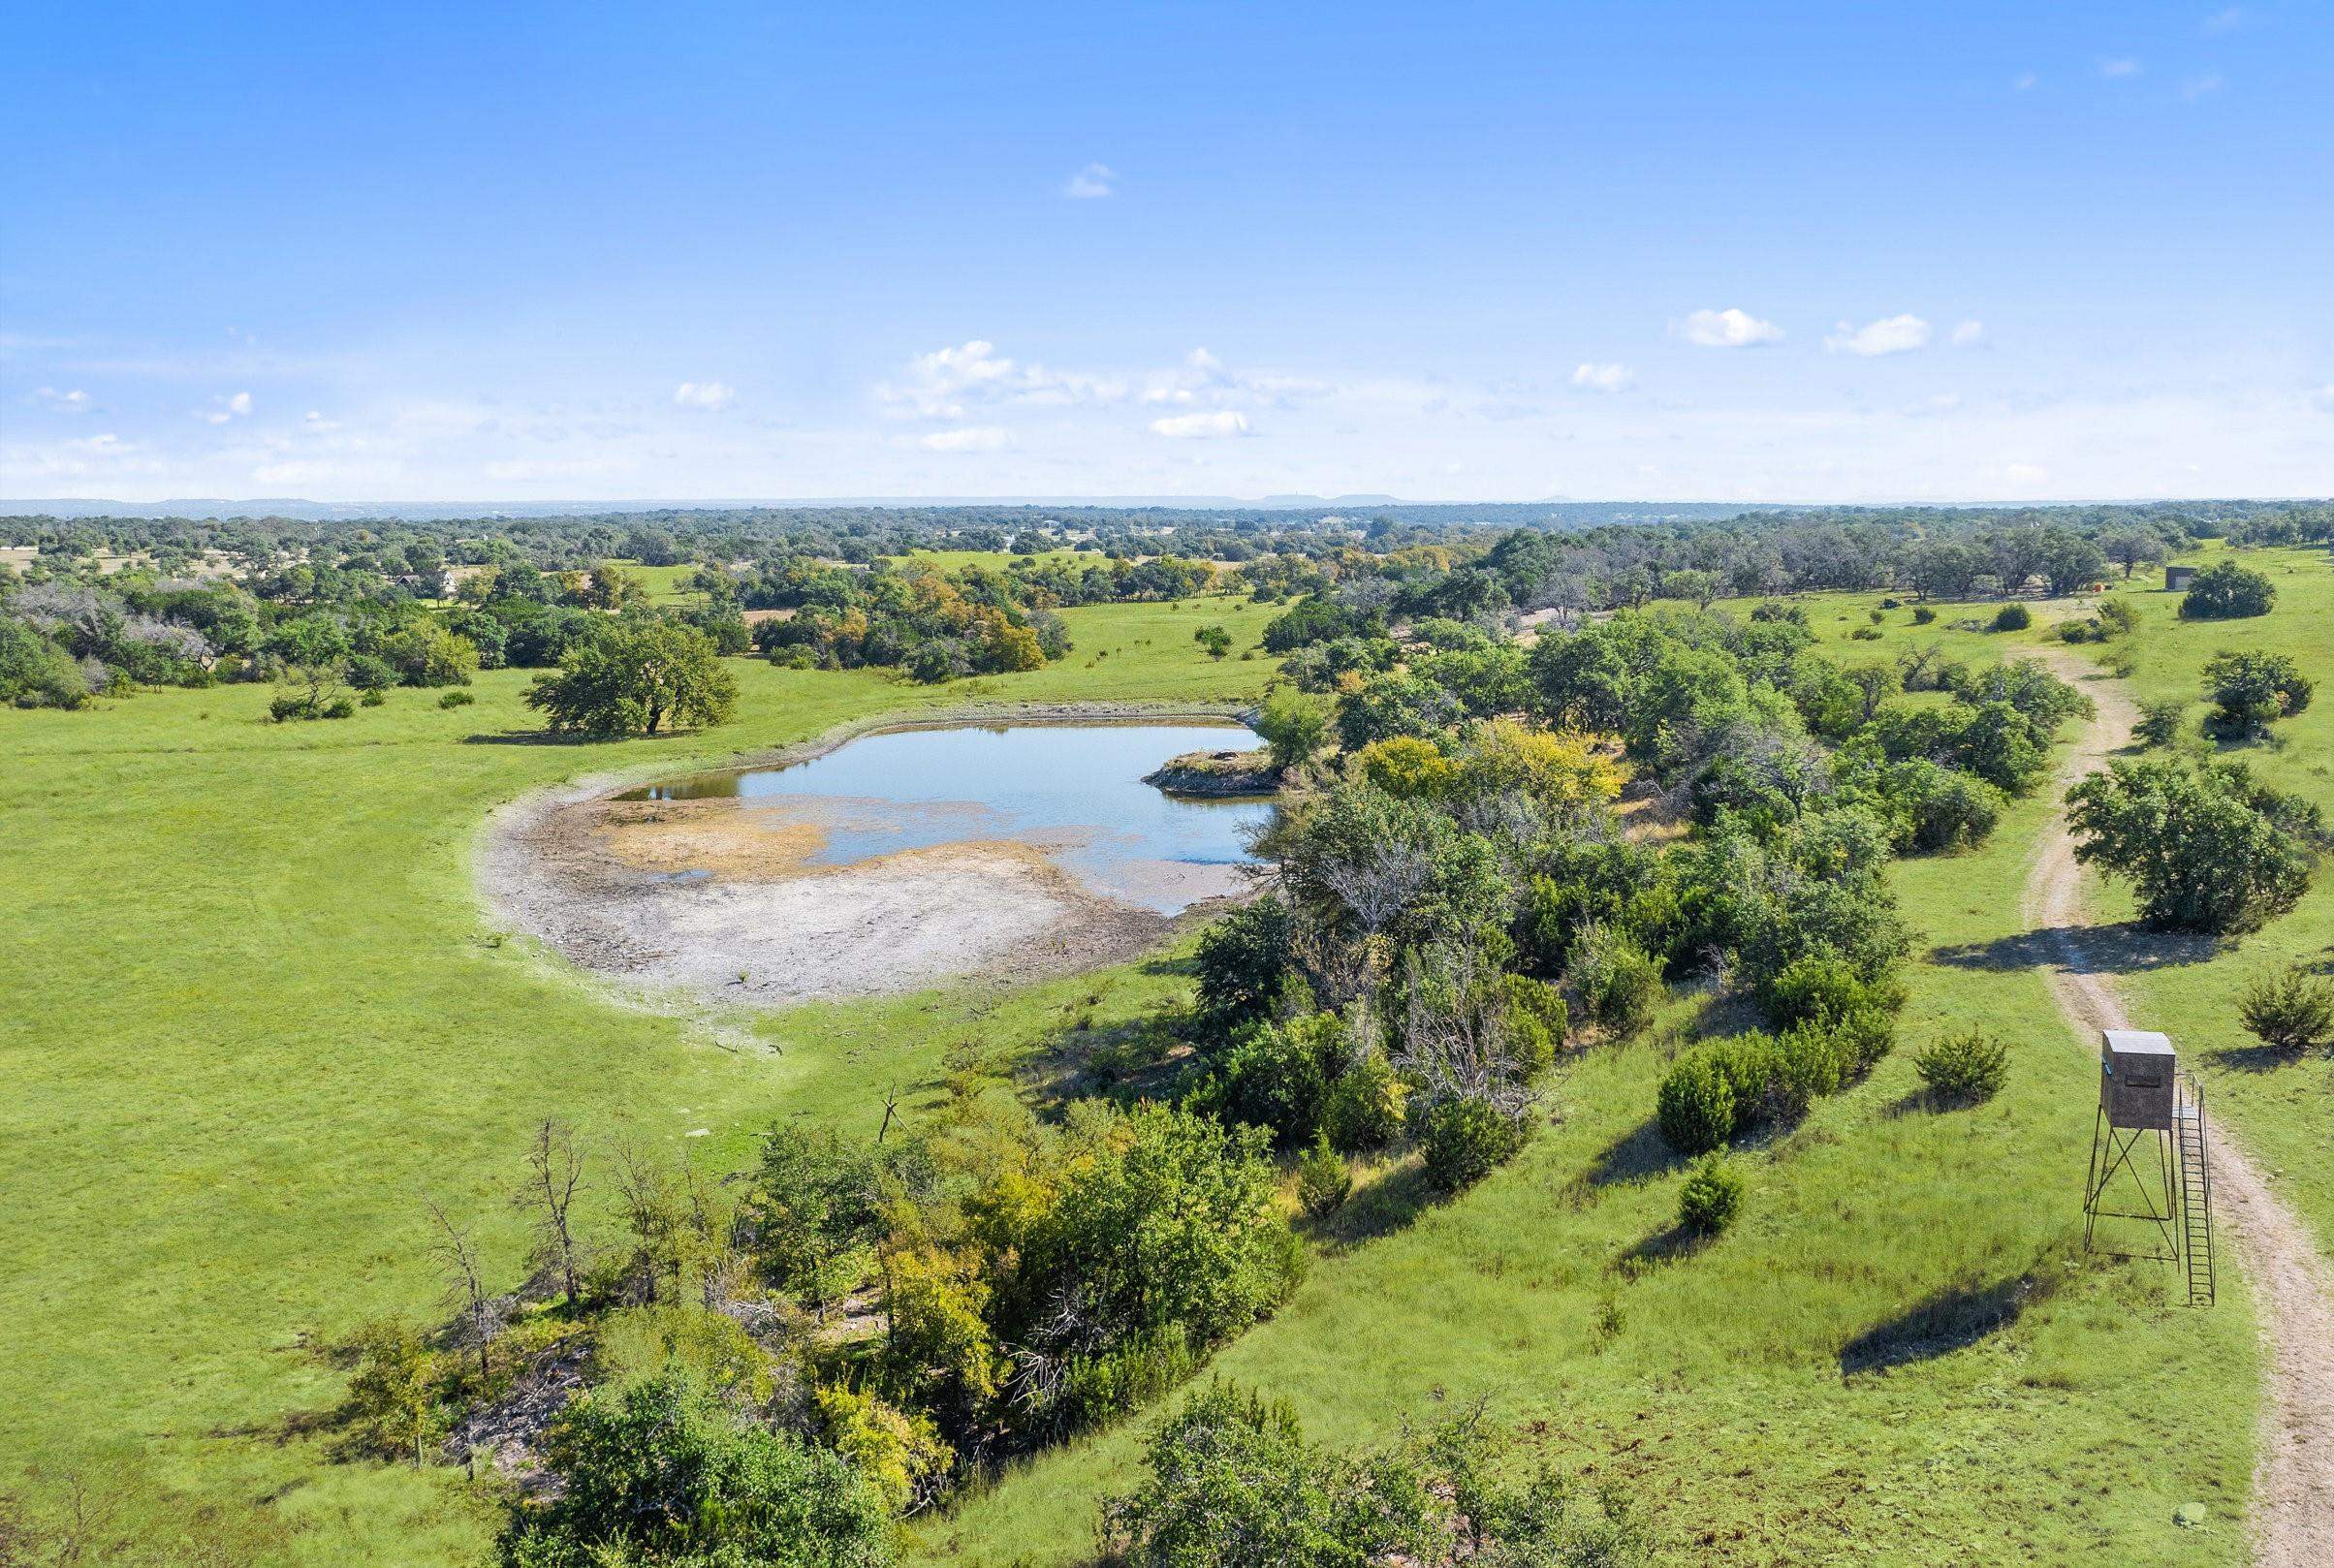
1603, 377
1213, 426
936, 381
315, 421
75, 402
223, 409
2204, 87
2323, 398
1969, 332
2121, 66
1092, 183
2027, 476
2225, 21
943, 383
1890, 334
706, 396
2024, 81
1727, 329
969, 438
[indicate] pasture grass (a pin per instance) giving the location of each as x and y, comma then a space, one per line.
256, 1017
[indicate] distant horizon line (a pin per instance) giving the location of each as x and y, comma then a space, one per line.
88, 506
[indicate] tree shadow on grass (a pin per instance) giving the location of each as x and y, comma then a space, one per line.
1139, 1059
1637, 1156
2252, 1058
1182, 965
1385, 1206
1665, 1246
1942, 1324
2128, 949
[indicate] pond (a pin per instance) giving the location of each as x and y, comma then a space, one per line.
1073, 791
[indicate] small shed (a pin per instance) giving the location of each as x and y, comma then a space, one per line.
2136, 1071
2176, 578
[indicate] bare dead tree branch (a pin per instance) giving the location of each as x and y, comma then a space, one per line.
479, 1312
556, 1174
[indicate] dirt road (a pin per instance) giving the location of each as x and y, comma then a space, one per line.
2292, 1522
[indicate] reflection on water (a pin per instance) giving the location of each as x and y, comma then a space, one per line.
1072, 790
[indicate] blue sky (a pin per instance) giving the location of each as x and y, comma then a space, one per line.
1825, 252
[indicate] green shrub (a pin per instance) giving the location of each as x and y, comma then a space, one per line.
1712, 1197
1463, 1140
2291, 1011
2225, 592
1942, 808
2160, 720
368, 673
2207, 847
2012, 619
1808, 1066
1100, 1389
1619, 985
456, 698
1866, 1035
1275, 1077
2251, 691
1748, 1059
1323, 1181
2119, 617
1963, 1069
1922, 614
1363, 1109
666, 1472
1696, 1105
1819, 988
1536, 1017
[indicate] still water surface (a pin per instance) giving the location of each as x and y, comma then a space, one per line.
1075, 791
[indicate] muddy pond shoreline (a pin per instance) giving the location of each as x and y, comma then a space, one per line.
723, 906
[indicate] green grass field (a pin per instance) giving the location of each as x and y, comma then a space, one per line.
257, 1016
254, 1016
996, 560
664, 583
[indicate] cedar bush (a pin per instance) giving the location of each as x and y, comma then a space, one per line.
1323, 1181
1964, 1069
1619, 985
1363, 1109
1807, 1067
2161, 719
1695, 1106
1712, 1197
2290, 1011
1463, 1140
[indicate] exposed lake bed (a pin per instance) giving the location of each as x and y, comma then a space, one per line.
893, 861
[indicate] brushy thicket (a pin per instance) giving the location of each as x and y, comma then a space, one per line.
1232, 1482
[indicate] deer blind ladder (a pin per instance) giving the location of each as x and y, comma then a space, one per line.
2195, 1190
